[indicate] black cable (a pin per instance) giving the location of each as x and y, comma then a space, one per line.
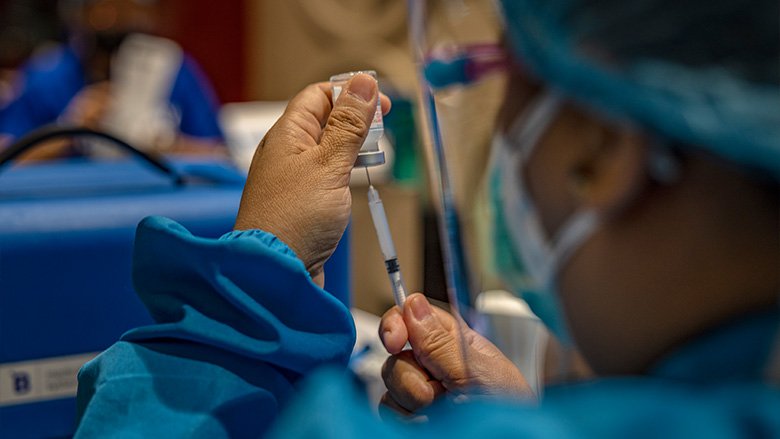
48, 132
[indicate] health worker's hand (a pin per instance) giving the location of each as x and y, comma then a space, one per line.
435, 365
298, 184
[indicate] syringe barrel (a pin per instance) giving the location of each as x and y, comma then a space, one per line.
380, 224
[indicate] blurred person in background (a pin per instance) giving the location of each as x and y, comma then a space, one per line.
25, 27
84, 82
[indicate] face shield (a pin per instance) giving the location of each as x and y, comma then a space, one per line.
463, 72
461, 65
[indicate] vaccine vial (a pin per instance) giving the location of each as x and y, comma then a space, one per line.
369, 154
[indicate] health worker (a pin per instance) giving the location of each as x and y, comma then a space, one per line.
633, 184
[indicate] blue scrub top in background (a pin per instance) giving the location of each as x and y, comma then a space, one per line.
241, 328
55, 76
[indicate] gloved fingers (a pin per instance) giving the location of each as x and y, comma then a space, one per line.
392, 331
409, 385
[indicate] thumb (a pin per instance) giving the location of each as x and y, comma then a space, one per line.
349, 122
434, 341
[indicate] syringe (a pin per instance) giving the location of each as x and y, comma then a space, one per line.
386, 244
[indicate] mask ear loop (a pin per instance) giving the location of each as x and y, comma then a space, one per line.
526, 133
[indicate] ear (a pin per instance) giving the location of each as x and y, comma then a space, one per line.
609, 168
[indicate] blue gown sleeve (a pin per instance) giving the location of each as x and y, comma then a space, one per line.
608, 408
238, 323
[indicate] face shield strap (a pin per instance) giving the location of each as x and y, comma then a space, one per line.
457, 277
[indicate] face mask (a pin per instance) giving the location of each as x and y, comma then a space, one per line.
526, 259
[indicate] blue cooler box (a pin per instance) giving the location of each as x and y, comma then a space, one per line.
66, 237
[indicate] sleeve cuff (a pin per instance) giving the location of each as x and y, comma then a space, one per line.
268, 239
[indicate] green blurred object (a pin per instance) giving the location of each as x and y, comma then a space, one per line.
401, 129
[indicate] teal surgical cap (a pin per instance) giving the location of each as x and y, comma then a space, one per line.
704, 73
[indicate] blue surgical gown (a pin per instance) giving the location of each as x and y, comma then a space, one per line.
246, 345
55, 76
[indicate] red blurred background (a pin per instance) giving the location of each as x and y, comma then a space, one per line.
213, 32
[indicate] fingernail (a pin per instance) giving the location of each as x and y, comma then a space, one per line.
363, 86
421, 309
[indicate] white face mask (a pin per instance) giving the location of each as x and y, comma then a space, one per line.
527, 259
520, 226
